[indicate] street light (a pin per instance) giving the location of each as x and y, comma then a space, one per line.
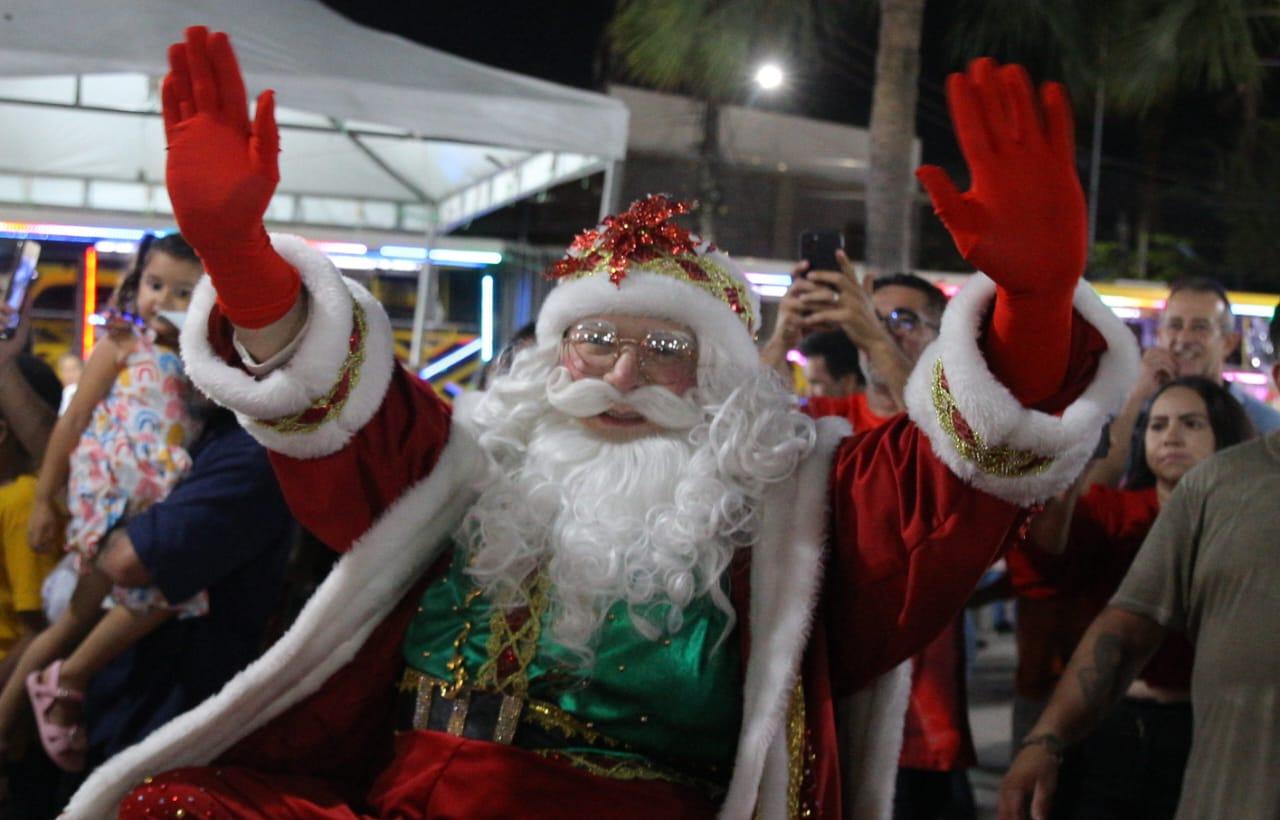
769, 76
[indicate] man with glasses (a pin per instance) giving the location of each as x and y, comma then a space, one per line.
1196, 335
628, 579
893, 321
889, 321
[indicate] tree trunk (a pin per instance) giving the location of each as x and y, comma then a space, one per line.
1151, 141
890, 185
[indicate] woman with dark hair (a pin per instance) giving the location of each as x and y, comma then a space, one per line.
1227, 419
1079, 550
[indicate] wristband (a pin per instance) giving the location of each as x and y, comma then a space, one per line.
1051, 742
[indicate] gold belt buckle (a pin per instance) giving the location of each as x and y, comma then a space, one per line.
509, 709
504, 730
458, 717
422, 704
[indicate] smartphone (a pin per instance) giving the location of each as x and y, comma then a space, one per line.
818, 247
22, 272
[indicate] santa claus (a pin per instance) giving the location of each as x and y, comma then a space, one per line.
629, 580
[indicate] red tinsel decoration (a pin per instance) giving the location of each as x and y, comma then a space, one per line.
639, 234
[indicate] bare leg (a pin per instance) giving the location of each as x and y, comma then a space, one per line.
61, 637
118, 630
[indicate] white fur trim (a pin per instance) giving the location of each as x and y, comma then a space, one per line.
786, 570
365, 585
720, 331
870, 723
312, 371
998, 418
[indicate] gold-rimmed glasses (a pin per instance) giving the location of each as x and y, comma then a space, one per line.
664, 356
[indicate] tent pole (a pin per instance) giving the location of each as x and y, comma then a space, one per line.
612, 191
424, 302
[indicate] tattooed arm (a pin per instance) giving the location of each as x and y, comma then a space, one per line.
1117, 645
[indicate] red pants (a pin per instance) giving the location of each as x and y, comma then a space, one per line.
433, 775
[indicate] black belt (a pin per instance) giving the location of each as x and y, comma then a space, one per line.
425, 702
469, 713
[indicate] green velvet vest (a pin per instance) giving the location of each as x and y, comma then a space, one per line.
675, 702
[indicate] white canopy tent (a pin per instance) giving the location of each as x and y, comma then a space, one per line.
378, 134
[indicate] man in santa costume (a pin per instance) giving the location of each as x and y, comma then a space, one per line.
629, 580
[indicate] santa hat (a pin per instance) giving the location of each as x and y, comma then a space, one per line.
640, 263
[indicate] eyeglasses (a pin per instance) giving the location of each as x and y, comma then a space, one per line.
665, 356
905, 320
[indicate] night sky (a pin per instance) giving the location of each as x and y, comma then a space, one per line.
561, 41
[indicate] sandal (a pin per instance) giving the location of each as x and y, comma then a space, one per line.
65, 745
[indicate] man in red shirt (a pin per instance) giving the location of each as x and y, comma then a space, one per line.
830, 364
890, 319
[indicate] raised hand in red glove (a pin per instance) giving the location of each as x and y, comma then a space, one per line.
221, 173
1022, 221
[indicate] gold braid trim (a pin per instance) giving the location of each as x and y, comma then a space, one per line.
714, 279
1003, 462
795, 750
553, 718
619, 769
521, 642
327, 407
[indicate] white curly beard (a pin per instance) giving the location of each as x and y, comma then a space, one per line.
648, 521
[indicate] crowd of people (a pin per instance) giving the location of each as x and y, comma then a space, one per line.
638, 573
1125, 758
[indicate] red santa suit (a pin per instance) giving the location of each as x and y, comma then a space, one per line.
863, 551
864, 555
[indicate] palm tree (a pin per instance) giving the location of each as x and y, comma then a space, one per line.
891, 188
1133, 57
704, 48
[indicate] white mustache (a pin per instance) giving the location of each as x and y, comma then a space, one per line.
591, 397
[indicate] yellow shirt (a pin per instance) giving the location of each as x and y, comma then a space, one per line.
22, 569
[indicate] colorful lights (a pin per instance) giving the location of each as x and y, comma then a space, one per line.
403, 252
486, 318
370, 263
42, 230
115, 246
1259, 379
441, 256
782, 280
443, 363
344, 248
90, 301
447, 256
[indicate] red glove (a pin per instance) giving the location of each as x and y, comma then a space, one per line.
1022, 221
221, 174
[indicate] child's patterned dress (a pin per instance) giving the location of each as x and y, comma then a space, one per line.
131, 455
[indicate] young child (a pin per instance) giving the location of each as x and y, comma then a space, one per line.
129, 426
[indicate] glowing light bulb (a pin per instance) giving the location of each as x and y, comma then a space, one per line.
769, 76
